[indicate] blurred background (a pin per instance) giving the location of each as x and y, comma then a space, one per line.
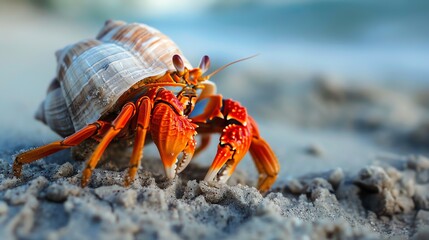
336, 84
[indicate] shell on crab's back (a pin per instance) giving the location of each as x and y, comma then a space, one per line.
93, 74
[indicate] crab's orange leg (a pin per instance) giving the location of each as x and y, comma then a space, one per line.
143, 119
233, 145
239, 134
117, 125
207, 109
90, 130
213, 114
265, 160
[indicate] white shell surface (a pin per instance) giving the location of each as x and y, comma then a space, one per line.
54, 113
94, 73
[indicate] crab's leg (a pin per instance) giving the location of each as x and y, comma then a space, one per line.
90, 130
265, 160
143, 119
239, 134
233, 145
117, 125
230, 118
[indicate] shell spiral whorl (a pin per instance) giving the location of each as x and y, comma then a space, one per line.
93, 74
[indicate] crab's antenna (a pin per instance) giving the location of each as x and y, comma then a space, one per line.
225, 66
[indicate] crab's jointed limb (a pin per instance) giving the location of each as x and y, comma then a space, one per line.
144, 106
158, 111
263, 157
172, 132
94, 129
117, 125
239, 134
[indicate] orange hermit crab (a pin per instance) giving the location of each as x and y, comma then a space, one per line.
121, 86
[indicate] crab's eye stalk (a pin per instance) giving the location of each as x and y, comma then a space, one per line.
204, 64
178, 64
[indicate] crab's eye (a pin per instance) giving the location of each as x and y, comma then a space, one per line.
178, 64
204, 64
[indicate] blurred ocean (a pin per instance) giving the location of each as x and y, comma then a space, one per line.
373, 40
384, 40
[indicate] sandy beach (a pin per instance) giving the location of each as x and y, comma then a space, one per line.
352, 147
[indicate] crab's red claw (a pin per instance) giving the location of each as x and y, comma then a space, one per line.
234, 143
173, 134
187, 155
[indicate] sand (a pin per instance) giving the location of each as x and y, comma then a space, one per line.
352, 152
380, 201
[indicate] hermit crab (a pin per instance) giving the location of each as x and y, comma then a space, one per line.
132, 82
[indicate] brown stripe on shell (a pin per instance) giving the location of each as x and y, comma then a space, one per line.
138, 38
134, 36
71, 52
122, 31
54, 85
140, 43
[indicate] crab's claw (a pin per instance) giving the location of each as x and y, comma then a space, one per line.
239, 135
173, 134
234, 142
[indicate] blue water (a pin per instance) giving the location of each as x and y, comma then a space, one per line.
365, 39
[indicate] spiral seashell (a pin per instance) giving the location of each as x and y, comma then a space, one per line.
93, 74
